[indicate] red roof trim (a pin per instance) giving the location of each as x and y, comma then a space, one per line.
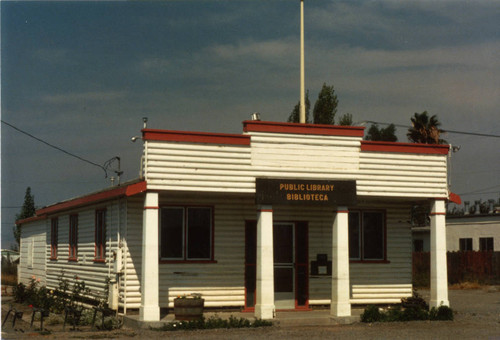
437, 149
195, 137
128, 190
30, 219
306, 129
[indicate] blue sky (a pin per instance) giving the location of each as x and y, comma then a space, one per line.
81, 75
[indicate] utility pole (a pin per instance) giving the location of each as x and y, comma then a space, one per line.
302, 71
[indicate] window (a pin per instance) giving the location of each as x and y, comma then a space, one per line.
486, 244
73, 237
418, 245
54, 223
186, 233
100, 235
465, 244
366, 235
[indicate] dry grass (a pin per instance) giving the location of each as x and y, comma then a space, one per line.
465, 286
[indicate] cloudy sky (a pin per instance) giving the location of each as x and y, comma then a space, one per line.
81, 75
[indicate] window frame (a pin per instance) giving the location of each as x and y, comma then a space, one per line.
100, 236
361, 258
486, 239
73, 238
465, 240
185, 230
54, 237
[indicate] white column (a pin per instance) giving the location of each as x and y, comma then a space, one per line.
264, 307
439, 270
340, 305
150, 308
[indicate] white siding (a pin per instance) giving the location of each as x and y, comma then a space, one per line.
222, 168
33, 240
94, 274
222, 283
402, 175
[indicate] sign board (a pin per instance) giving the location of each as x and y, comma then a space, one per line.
305, 192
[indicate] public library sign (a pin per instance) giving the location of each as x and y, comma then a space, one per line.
305, 192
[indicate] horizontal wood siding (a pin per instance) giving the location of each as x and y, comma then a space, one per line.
220, 283
34, 236
402, 175
94, 274
198, 167
130, 286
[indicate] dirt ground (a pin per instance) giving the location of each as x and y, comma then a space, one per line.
477, 316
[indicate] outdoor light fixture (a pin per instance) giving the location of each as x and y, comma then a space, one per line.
455, 148
256, 116
133, 139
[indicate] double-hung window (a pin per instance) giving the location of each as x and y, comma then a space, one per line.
186, 234
367, 237
100, 235
73, 237
465, 244
54, 226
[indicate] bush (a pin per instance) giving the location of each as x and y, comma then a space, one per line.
213, 323
442, 313
371, 314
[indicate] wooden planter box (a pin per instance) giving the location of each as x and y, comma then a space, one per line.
188, 309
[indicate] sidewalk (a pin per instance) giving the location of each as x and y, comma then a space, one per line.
283, 318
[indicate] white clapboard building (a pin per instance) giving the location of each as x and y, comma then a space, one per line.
281, 217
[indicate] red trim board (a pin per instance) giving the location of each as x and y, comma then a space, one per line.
437, 149
195, 137
306, 129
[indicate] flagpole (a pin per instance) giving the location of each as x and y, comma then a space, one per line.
302, 71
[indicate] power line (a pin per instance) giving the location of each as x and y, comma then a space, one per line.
56, 147
447, 131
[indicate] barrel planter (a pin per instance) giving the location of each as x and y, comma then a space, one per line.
188, 308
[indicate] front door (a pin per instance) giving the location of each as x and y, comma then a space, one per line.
290, 243
284, 267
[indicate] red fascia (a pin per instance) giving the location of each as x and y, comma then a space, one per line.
128, 190
436, 149
305, 129
195, 137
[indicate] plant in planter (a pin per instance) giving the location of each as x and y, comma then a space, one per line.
189, 307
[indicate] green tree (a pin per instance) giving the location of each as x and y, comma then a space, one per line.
387, 134
325, 107
27, 210
425, 129
295, 114
346, 120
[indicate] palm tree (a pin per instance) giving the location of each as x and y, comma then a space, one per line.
425, 130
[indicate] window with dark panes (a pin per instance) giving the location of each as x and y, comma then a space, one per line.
486, 244
100, 234
186, 233
54, 225
73, 237
465, 244
366, 235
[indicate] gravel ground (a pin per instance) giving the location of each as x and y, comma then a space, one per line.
477, 316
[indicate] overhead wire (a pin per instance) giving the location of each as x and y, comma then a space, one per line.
56, 147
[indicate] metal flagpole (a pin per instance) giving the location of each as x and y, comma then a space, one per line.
302, 72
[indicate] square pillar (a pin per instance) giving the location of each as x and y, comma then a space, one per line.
439, 270
264, 307
150, 308
340, 304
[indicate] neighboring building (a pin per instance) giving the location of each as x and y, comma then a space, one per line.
478, 232
283, 216
10, 256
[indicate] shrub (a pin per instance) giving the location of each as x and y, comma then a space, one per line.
212, 323
371, 314
442, 313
